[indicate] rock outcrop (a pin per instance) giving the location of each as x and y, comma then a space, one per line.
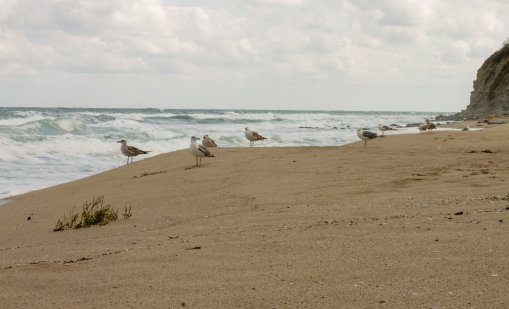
491, 88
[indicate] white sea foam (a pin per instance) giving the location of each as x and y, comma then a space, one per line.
20, 121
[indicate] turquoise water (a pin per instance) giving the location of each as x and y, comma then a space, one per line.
47, 146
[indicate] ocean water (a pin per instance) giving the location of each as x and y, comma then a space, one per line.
41, 147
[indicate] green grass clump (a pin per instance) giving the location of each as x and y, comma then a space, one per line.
96, 212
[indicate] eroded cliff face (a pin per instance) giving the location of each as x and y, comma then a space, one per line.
491, 87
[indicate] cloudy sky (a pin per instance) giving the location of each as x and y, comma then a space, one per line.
269, 54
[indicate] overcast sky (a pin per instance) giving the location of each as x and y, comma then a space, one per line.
419, 55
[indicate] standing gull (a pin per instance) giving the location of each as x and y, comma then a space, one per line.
430, 126
253, 136
422, 127
198, 151
365, 135
208, 142
383, 128
130, 151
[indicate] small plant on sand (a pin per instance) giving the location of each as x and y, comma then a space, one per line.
67, 222
93, 213
97, 212
127, 212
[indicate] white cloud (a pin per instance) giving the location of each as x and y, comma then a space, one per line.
280, 2
252, 45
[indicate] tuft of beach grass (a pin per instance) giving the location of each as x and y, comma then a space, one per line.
96, 212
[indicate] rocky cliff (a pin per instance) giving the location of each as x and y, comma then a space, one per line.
491, 88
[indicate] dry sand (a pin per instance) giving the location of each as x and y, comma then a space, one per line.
411, 221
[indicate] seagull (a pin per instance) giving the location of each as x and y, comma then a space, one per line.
430, 126
383, 128
365, 135
422, 127
208, 142
198, 150
253, 136
130, 151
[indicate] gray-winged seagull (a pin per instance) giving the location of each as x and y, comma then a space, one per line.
208, 142
198, 151
253, 136
383, 128
130, 151
366, 135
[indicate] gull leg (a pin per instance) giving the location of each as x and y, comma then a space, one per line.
196, 161
127, 161
365, 143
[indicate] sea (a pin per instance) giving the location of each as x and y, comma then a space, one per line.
42, 147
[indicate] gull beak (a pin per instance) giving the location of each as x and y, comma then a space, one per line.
119, 141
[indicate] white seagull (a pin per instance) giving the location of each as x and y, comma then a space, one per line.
253, 136
130, 151
198, 151
383, 128
366, 135
208, 142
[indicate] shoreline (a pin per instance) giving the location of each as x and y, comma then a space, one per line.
51, 146
450, 126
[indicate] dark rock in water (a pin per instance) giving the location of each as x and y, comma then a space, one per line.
444, 117
491, 88
495, 121
395, 126
411, 125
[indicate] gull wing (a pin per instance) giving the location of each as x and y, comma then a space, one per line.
258, 136
369, 134
205, 151
135, 151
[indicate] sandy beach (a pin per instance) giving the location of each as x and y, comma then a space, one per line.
410, 221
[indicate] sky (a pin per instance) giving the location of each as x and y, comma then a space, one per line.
385, 55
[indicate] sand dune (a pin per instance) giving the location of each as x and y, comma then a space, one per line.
411, 221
